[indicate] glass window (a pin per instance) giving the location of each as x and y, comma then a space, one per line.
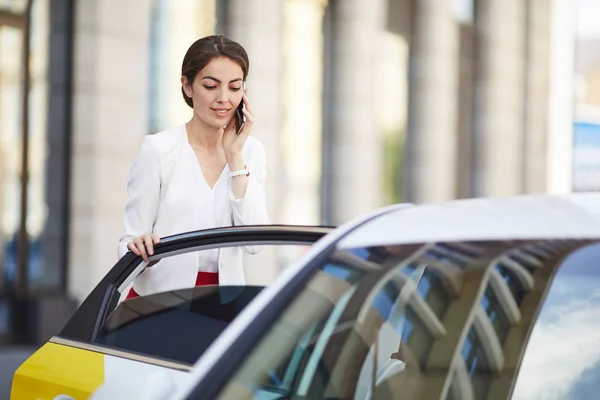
417, 337
179, 325
477, 366
431, 289
344, 322
496, 314
561, 358
363, 338
515, 286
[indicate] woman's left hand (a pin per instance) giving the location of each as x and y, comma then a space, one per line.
233, 142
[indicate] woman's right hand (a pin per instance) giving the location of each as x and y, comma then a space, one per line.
144, 245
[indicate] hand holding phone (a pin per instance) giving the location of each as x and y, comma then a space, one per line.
240, 118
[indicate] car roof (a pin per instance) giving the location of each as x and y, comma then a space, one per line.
500, 218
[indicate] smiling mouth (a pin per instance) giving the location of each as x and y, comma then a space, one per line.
221, 112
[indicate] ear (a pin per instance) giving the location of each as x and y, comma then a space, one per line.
187, 87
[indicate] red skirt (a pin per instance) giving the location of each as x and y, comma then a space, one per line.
202, 279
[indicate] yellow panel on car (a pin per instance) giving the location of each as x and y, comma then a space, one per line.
56, 370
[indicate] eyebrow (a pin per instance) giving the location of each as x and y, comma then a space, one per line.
216, 80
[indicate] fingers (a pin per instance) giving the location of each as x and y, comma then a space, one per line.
143, 246
247, 127
149, 243
230, 127
249, 117
139, 245
132, 247
247, 102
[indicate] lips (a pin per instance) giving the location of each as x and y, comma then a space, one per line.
221, 112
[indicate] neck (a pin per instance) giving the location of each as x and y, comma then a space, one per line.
200, 134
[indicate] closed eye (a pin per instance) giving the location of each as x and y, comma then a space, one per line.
210, 87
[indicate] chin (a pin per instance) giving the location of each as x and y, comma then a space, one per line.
213, 122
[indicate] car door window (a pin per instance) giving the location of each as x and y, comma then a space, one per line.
173, 328
179, 325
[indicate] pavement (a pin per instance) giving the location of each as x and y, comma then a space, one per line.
10, 359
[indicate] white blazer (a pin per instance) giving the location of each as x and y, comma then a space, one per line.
163, 200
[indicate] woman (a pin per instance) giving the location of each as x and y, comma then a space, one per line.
206, 173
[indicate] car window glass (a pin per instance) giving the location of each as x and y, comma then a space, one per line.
179, 325
176, 325
562, 360
426, 321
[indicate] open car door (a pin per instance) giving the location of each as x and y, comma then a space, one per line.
111, 343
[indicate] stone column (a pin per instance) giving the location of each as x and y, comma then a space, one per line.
499, 98
352, 157
536, 107
302, 129
257, 25
430, 169
560, 108
110, 117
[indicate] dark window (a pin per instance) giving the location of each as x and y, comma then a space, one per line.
385, 299
496, 314
177, 325
342, 273
361, 252
416, 336
515, 286
477, 365
431, 289
409, 268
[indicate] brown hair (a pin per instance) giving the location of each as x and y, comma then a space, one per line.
203, 50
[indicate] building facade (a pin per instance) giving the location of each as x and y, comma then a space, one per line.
359, 103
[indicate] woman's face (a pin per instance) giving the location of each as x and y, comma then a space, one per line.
216, 91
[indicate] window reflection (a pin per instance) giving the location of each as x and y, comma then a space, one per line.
477, 366
511, 280
493, 309
405, 327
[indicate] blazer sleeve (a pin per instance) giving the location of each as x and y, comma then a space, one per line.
252, 208
143, 188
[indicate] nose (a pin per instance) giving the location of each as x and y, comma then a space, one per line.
223, 96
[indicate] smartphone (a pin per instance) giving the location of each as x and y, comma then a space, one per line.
240, 118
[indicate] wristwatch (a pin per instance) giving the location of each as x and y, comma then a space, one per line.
239, 172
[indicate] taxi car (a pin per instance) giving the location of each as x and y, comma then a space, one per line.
113, 342
472, 299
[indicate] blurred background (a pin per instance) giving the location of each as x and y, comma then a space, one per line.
359, 103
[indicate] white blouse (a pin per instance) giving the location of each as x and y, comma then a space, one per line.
168, 195
211, 210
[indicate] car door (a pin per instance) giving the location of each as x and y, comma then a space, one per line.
110, 342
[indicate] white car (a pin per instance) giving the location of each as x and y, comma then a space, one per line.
494, 298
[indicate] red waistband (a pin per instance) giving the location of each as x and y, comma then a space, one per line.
202, 279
